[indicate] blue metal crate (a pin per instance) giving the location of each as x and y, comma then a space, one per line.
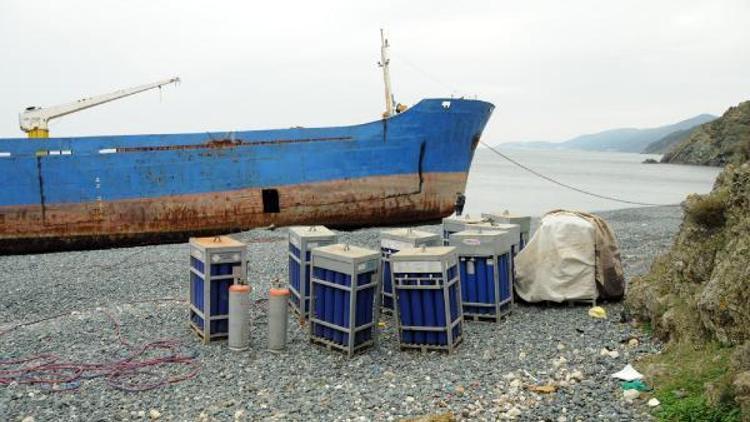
392, 241
301, 242
215, 264
455, 224
344, 314
428, 298
485, 271
523, 221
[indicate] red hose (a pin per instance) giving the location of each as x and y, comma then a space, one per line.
51, 371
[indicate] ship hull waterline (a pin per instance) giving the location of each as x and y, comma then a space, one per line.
352, 206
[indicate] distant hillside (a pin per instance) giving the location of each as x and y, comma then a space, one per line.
666, 143
722, 141
618, 140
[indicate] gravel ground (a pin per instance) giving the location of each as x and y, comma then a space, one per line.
487, 378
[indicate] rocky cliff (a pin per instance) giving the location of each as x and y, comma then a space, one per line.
699, 292
717, 143
665, 144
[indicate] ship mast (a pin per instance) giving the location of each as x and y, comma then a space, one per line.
384, 62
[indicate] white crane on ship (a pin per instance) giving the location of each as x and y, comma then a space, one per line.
34, 120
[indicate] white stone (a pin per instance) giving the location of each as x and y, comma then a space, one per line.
141, 413
560, 346
614, 354
28, 419
630, 394
654, 402
409, 399
513, 413
154, 414
577, 375
633, 342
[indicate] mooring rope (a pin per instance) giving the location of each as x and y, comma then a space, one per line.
579, 190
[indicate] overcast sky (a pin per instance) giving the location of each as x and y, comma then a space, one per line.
554, 69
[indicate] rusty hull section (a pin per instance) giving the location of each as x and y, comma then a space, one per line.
369, 201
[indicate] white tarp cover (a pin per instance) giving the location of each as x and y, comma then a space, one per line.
559, 262
573, 255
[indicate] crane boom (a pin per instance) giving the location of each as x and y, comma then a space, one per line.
34, 120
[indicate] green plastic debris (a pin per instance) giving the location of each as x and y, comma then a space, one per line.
639, 385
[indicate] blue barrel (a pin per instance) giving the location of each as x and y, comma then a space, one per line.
332, 305
387, 283
506, 282
319, 301
294, 274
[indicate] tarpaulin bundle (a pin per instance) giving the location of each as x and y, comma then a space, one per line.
572, 256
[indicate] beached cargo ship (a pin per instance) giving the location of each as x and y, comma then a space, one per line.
100, 191
60, 193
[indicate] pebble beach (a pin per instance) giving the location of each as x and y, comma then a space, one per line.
65, 303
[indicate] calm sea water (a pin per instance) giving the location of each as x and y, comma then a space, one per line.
496, 184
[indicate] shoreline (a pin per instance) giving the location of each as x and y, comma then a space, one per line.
485, 378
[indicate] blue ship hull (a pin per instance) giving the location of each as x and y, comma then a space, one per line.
83, 192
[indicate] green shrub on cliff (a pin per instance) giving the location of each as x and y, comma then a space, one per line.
707, 210
698, 295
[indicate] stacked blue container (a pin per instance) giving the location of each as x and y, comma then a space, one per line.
485, 271
392, 241
215, 263
301, 241
428, 298
344, 288
455, 224
513, 230
523, 221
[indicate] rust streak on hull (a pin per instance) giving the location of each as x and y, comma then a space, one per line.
349, 203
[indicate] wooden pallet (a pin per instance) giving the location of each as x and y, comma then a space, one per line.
494, 318
331, 346
297, 311
426, 348
214, 337
572, 302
